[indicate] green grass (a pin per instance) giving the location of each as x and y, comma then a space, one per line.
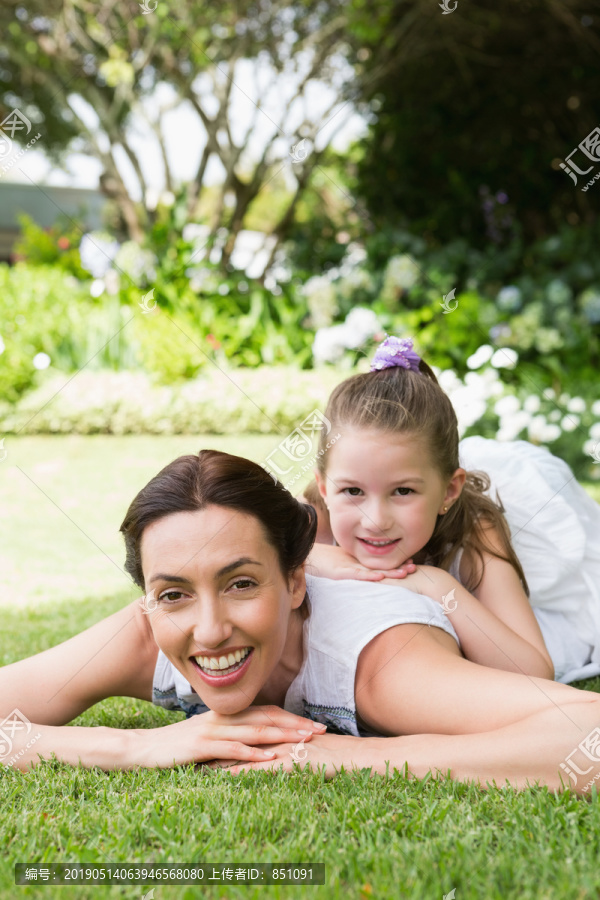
378, 838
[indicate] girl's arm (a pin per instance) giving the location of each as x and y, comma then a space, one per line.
501, 592
485, 637
116, 657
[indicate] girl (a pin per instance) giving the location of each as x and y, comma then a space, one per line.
392, 489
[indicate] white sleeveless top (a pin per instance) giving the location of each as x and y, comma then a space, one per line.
344, 617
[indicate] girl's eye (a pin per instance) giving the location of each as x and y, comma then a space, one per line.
404, 491
171, 596
350, 489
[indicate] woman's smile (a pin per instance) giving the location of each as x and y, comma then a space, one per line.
225, 669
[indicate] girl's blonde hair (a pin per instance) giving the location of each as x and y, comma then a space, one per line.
401, 401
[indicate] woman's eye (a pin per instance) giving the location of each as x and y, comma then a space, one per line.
404, 491
246, 582
352, 491
171, 596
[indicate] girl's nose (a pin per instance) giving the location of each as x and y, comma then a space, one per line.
377, 516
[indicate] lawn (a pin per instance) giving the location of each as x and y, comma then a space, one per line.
62, 501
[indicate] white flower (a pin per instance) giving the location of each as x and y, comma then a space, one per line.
549, 394
402, 273
97, 287
596, 407
570, 423
542, 432
595, 431
555, 415
507, 405
482, 355
576, 405
2, 345
329, 344
512, 426
97, 252
532, 403
509, 298
360, 325
41, 361
505, 358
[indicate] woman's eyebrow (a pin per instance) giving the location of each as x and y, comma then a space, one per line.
178, 579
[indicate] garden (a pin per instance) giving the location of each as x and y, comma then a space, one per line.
220, 314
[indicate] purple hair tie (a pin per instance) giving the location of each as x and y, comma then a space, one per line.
395, 352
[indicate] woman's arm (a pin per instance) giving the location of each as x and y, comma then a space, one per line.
444, 713
117, 657
485, 637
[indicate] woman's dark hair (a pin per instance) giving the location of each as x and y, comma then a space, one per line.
192, 483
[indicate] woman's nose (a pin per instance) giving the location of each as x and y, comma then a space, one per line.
211, 625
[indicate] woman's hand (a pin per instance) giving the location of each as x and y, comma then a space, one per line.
210, 736
333, 562
329, 750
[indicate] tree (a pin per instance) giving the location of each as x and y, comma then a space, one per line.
473, 113
89, 73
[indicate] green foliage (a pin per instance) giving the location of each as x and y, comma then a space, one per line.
56, 246
45, 310
471, 116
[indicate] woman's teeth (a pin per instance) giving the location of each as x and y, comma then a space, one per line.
210, 663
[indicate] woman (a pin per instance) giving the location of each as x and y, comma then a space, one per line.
219, 550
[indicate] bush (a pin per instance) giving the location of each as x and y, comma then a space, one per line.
232, 401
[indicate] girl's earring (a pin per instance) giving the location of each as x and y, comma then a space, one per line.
445, 509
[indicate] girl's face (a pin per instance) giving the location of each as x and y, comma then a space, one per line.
223, 605
384, 496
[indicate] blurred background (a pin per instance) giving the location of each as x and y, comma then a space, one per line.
211, 213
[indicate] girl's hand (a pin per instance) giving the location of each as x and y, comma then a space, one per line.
333, 562
329, 750
210, 736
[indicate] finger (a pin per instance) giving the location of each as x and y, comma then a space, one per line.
275, 716
366, 574
235, 751
262, 734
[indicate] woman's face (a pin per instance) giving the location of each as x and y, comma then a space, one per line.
223, 605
